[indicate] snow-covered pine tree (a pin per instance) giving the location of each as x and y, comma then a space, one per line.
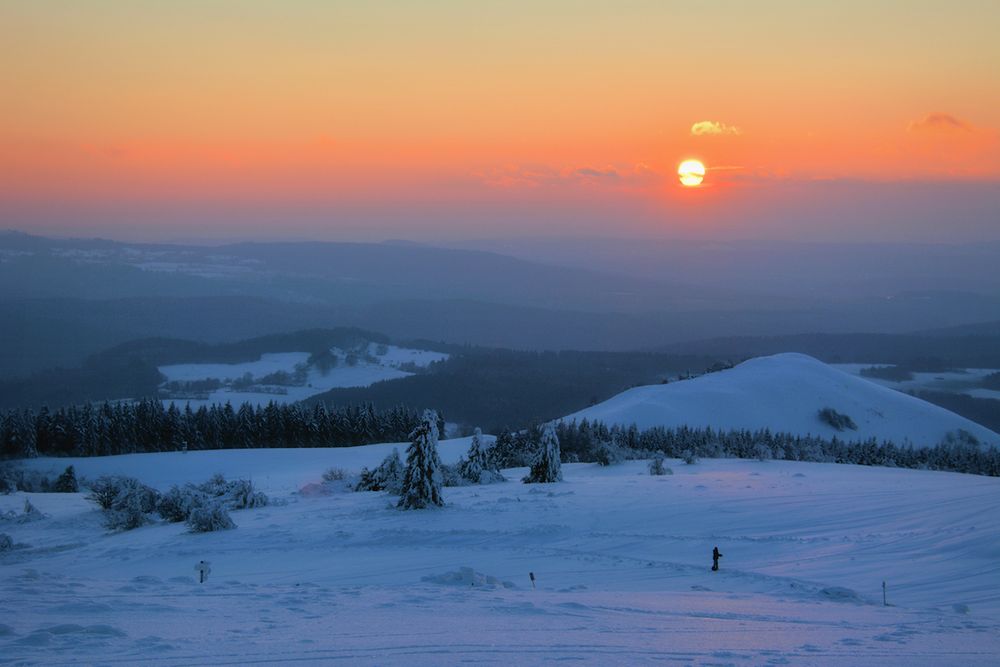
66, 483
390, 472
547, 466
422, 477
388, 476
473, 467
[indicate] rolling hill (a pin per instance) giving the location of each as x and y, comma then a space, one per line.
785, 392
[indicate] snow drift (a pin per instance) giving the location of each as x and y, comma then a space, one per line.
785, 392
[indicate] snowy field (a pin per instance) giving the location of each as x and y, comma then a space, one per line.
621, 561
363, 374
784, 392
959, 381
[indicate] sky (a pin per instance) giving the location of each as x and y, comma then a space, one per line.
432, 120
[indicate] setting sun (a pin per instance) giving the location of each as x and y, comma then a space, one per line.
691, 173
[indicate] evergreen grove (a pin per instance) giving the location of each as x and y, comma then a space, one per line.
147, 426
590, 441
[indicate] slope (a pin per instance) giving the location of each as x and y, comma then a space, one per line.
785, 392
621, 561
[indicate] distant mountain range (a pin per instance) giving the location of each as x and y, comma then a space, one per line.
62, 300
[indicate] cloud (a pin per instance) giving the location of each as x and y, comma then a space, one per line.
606, 174
938, 121
704, 127
530, 176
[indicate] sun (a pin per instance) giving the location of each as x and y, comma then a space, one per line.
691, 173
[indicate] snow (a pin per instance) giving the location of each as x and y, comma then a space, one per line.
784, 392
992, 394
267, 364
960, 380
622, 562
363, 374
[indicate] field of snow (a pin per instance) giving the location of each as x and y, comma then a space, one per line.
621, 561
959, 381
363, 374
784, 392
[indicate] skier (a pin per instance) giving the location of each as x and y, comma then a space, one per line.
715, 559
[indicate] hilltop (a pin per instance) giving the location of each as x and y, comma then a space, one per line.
785, 392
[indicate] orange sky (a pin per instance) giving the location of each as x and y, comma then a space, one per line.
523, 103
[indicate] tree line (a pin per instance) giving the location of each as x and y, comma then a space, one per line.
597, 442
148, 426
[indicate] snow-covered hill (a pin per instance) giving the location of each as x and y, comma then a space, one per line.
373, 363
785, 392
621, 563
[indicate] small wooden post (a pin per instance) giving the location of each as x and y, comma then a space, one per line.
531, 575
885, 603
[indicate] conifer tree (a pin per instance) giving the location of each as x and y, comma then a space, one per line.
547, 466
473, 467
67, 483
422, 478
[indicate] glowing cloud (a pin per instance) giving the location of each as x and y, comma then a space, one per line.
706, 127
938, 121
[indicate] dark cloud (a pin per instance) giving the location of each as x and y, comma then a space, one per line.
940, 121
608, 174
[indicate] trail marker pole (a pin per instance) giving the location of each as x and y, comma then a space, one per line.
884, 602
203, 568
531, 575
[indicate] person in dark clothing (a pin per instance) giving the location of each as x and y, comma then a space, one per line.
715, 559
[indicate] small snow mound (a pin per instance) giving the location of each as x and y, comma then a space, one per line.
960, 608
315, 490
466, 576
841, 594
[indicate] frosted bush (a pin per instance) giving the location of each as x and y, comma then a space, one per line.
209, 518
131, 508
334, 474
17, 479
216, 485
236, 495
388, 476
491, 477
8, 481
837, 420
606, 454
6, 542
451, 475
176, 504
126, 502
104, 489
656, 466
241, 495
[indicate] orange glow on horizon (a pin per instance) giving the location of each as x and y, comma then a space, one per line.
317, 102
